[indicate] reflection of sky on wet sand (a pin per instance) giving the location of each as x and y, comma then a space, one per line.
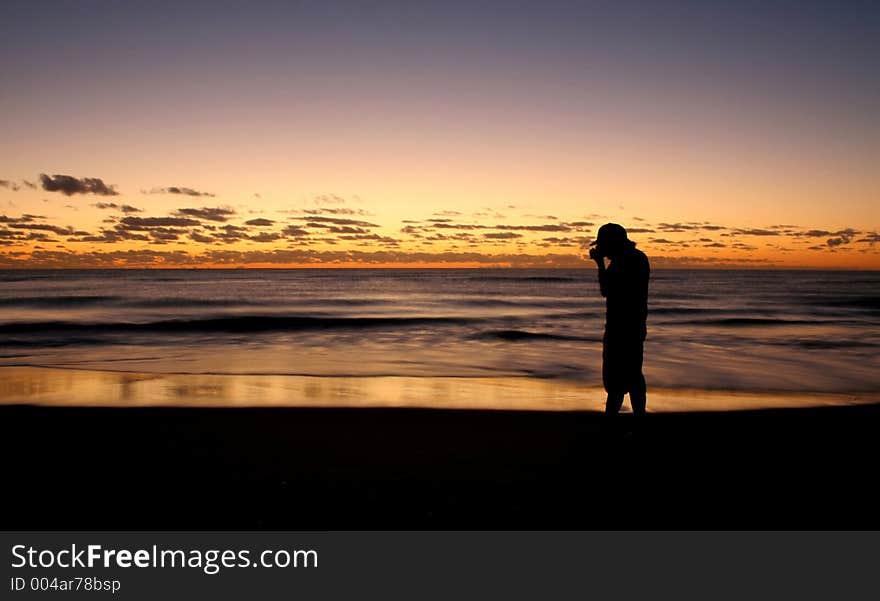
64, 387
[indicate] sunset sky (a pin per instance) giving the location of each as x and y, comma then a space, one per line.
438, 134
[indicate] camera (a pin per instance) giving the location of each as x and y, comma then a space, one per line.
596, 254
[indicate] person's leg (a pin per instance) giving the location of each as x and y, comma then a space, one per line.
636, 378
638, 395
611, 424
611, 375
613, 403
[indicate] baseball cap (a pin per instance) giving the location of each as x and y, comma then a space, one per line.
610, 233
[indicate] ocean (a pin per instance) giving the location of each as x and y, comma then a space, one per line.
763, 331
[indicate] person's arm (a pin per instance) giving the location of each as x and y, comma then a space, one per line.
603, 276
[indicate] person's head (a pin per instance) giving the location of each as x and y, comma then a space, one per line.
612, 241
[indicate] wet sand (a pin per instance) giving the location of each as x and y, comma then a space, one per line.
399, 468
79, 387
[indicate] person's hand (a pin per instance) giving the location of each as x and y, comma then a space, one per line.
596, 254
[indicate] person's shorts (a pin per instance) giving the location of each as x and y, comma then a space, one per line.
622, 355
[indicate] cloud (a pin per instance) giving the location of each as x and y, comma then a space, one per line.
341, 229
328, 199
163, 234
442, 223
756, 232
64, 231
337, 221
265, 237
838, 241
557, 240
688, 227
70, 185
292, 230
848, 232
179, 190
336, 211
501, 235
124, 258
676, 227
16, 186
301, 256
411, 230
813, 233
23, 219
581, 224
208, 213
550, 227
112, 236
843, 237
306, 256
229, 236
142, 223
678, 262
26, 228
113, 205
374, 237
197, 237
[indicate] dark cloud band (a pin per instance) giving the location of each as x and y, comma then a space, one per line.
69, 185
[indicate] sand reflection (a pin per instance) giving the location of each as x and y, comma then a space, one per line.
65, 387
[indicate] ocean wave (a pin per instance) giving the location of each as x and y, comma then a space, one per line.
239, 323
524, 304
869, 304
829, 344
171, 303
527, 278
41, 342
58, 301
181, 303
686, 311
753, 321
523, 335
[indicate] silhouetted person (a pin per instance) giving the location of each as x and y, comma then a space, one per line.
624, 284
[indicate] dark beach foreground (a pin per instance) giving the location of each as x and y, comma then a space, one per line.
316, 469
